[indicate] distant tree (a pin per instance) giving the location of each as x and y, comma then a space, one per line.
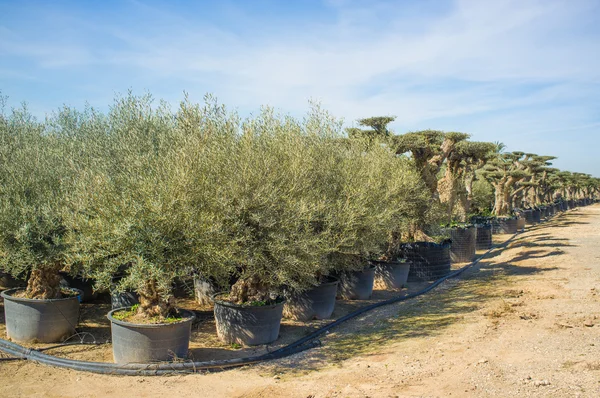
378, 128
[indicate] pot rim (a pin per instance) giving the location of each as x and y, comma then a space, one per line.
110, 317
8, 295
257, 307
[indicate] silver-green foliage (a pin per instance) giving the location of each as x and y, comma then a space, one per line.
150, 194
36, 176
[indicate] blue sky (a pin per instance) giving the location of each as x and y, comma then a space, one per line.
523, 72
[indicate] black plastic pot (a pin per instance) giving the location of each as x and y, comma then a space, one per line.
391, 275
123, 299
504, 226
537, 216
429, 261
463, 244
316, 303
357, 285
528, 217
543, 212
483, 240
7, 281
571, 204
42, 321
83, 284
249, 325
144, 343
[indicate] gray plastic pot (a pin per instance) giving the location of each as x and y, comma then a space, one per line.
483, 240
357, 285
393, 275
248, 325
41, 321
316, 303
144, 343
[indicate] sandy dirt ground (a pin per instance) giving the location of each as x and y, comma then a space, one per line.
524, 322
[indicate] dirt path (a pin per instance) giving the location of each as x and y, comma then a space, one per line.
525, 322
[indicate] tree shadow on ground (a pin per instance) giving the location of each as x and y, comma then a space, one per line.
425, 316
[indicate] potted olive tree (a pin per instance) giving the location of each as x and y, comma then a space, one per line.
273, 187
36, 181
146, 212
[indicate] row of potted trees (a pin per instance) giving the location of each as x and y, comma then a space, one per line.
270, 214
262, 209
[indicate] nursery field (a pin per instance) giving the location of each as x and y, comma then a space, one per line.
523, 322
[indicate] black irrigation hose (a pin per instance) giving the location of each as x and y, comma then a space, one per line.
19, 352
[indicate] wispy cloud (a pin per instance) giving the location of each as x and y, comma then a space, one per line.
504, 68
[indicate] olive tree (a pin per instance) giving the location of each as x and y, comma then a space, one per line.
145, 212
457, 183
37, 175
504, 171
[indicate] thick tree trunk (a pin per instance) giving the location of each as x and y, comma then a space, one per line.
44, 283
249, 290
153, 303
203, 291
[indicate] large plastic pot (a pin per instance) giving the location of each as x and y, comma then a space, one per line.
249, 325
41, 321
463, 244
7, 281
144, 343
123, 299
357, 285
543, 212
483, 240
392, 275
528, 217
571, 204
316, 303
504, 226
429, 261
83, 284
537, 216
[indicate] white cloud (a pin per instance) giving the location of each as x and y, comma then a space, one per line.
505, 63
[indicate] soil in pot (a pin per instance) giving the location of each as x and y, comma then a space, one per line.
391, 275
315, 303
463, 244
147, 342
429, 261
40, 320
357, 285
248, 324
